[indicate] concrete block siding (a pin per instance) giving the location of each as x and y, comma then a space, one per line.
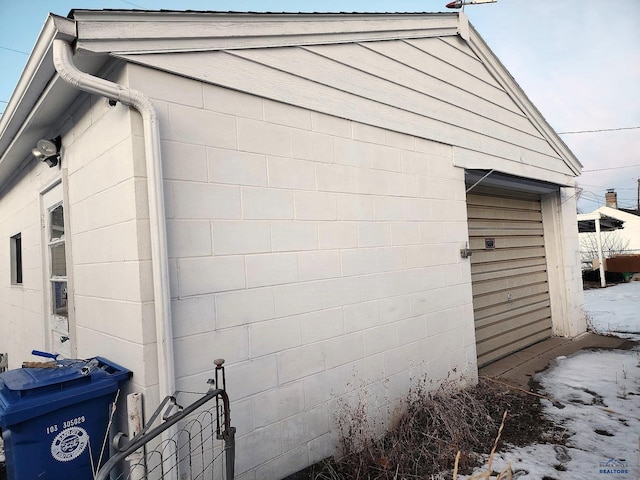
22, 326
317, 255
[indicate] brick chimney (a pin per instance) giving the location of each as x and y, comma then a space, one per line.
611, 198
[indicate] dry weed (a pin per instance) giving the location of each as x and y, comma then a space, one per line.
446, 430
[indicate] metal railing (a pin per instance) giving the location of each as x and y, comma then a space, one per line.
203, 443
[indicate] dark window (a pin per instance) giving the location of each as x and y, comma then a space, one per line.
16, 259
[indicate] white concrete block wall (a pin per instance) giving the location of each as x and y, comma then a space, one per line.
317, 255
111, 298
22, 320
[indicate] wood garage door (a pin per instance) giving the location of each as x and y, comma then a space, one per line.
509, 272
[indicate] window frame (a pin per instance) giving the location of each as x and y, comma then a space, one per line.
17, 276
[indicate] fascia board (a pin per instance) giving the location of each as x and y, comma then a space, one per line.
155, 32
502, 75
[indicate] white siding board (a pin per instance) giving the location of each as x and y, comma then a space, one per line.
345, 78
423, 80
524, 166
408, 52
234, 72
459, 58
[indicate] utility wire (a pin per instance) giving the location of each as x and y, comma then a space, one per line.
609, 168
599, 130
14, 50
131, 3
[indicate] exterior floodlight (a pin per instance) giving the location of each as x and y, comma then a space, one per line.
48, 151
461, 3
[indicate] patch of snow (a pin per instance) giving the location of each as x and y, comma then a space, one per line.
615, 309
600, 390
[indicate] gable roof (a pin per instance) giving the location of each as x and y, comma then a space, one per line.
159, 38
625, 215
631, 211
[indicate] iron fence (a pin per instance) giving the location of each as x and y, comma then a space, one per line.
194, 442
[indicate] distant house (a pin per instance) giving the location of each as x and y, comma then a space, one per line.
625, 240
328, 201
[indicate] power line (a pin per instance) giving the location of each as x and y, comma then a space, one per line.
600, 130
14, 50
609, 168
130, 3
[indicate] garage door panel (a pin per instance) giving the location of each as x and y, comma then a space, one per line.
503, 297
508, 284
510, 280
489, 267
509, 337
504, 309
513, 313
482, 256
504, 202
508, 242
483, 228
503, 214
498, 350
522, 270
539, 316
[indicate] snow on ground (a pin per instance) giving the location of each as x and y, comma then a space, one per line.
600, 391
615, 309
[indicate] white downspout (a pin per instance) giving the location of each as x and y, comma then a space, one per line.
63, 61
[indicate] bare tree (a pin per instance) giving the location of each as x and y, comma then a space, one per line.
612, 244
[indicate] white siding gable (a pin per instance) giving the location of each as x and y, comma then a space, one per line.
431, 88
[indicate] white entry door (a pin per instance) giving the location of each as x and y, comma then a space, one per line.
55, 268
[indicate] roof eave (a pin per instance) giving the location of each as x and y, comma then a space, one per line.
34, 81
134, 32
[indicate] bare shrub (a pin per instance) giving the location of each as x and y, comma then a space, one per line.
434, 426
425, 438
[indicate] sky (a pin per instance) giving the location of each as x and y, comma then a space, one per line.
578, 61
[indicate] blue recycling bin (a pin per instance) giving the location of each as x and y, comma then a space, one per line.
54, 420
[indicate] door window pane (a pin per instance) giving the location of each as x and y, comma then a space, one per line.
59, 298
58, 260
57, 223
